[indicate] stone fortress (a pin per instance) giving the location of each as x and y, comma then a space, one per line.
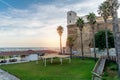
73, 31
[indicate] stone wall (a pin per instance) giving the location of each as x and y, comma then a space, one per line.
73, 31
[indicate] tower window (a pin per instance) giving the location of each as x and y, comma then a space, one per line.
70, 14
70, 21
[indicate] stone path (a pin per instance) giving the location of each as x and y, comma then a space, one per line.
6, 76
99, 69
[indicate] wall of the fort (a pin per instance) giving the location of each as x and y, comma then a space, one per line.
73, 31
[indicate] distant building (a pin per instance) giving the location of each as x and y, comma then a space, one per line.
29, 55
73, 31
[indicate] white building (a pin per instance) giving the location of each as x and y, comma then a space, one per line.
30, 57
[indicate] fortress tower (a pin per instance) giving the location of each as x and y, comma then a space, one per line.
71, 17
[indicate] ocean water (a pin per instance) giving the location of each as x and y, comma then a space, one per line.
102, 52
28, 48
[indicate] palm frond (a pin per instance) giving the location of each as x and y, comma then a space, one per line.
103, 10
70, 41
113, 6
80, 23
91, 18
60, 30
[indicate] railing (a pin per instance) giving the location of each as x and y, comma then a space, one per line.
111, 58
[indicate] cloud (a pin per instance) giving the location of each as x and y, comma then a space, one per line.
39, 21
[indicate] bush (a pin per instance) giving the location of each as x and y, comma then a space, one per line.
114, 68
100, 39
105, 74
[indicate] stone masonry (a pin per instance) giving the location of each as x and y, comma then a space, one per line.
73, 31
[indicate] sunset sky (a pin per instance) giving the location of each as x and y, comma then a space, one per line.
33, 23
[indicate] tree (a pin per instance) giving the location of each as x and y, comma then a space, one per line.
113, 7
100, 39
92, 20
80, 23
70, 41
104, 12
60, 31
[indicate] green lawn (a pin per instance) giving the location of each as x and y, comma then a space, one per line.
76, 70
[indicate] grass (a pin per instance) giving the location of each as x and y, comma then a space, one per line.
76, 70
110, 72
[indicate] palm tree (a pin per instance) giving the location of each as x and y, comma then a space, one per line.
60, 31
70, 44
92, 20
80, 23
104, 12
113, 7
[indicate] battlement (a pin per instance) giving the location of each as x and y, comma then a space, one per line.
72, 18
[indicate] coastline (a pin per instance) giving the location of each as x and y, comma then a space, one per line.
4, 49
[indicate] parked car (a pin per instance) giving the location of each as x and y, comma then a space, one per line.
12, 60
3, 61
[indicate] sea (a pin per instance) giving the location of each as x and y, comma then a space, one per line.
5, 49
27, 48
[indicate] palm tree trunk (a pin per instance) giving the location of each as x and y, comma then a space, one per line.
81, 45
106, 39
71, 52
94, 43
115, 30
60, 46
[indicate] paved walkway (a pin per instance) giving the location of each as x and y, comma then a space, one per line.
101, 66
99, 69
6, 76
